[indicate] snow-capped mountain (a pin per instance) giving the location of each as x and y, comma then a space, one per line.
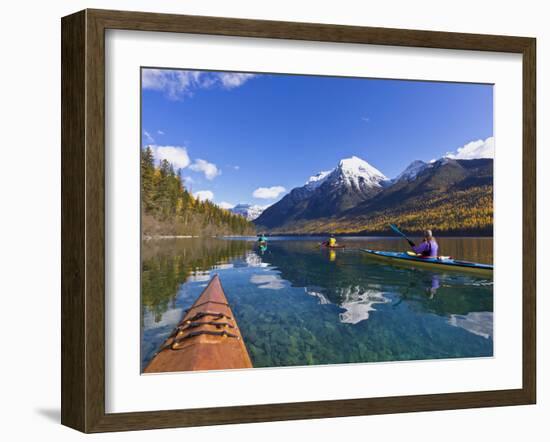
249, 211
411, 171
327, 193
316, 180
355, 172
354, 192
474, 150
352, 172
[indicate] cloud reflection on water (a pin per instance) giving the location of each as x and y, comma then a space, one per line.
358, 303
272, 282
478, 323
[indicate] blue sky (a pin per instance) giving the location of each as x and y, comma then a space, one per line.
236, 134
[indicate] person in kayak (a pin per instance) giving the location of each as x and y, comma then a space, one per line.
428, 247
330, 242
262, 238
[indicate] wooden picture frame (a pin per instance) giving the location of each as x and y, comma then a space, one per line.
83, 219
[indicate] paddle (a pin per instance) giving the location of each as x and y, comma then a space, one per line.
399, 232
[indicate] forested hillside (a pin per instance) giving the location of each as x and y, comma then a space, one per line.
468, 211
169, 209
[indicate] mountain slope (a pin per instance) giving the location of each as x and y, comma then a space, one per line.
447, 195
438, 177
326, 194
411, 171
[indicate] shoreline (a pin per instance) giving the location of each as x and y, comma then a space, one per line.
312, 236
379, 235
151, 237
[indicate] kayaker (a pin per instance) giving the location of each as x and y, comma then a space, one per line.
262, 238
331, 241
428, 247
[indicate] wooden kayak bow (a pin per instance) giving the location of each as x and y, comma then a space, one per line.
207, 338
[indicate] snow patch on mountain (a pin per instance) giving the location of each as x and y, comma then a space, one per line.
249, 211
316, 180
473, 150
412, 171
352, 172
355, 172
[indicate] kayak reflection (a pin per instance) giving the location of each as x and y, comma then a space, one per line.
456, 293
432, 290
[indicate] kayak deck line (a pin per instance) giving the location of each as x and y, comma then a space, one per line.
207, 337
203, 303
446, 263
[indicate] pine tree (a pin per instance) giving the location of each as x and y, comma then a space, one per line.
147, 178
165, 198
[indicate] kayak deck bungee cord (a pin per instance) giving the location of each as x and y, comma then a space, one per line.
207, 338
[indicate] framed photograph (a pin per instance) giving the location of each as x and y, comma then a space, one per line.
268, 220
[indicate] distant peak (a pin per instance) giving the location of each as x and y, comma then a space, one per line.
412, 170
359, 166
352, 171
352, 161
249, 211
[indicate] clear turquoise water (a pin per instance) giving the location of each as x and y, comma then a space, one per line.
299, 305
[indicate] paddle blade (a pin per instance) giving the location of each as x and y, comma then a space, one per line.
396, 230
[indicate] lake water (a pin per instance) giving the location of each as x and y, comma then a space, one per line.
299, 305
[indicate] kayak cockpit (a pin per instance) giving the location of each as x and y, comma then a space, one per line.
442, 263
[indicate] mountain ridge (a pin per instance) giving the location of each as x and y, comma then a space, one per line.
355, 197
326, 193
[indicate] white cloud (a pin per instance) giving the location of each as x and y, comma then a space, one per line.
204, 195
148, 137
233, 80
474, 149
210, 170
268, 192
236, 167
365, 119
160, 132
177, 84
226, 205
188, 179
177, 155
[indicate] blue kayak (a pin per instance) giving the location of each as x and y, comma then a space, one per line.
442, 262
